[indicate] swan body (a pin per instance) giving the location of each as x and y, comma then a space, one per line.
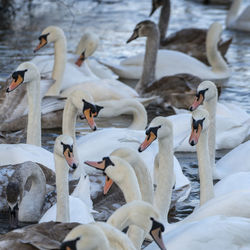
237, 19
67, 209
216, 232
173, 62
191, 41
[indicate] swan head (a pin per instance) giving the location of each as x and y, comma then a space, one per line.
88, 236
155, 5
159, 127
114, 169
25, 73
206, 91
199, 124
13, 196
64, 148
49, 35
83, 103
144, 28
86, 47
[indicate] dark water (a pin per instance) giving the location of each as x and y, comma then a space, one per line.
114, 21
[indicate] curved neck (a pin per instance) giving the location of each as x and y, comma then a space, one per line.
165, 177
210, 106
205, 170
164, 19
34, 115
233, 12
148, 73
60, 47
62, 189
214, 57
117, 239
125, 106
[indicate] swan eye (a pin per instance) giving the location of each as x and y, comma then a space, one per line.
201, 93
195, 124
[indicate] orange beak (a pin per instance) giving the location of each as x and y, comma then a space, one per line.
96, 164
108, 185
42, 43
198, 101
15, 83
90, 118
156, 235
148, 140
69, 157
194, 137
80, 60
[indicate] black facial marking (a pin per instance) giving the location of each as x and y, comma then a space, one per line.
71, 244
156, 225
195, 124
65, 146
16, 73
43, 37
154, 130
94, 109
201, 93
108, 163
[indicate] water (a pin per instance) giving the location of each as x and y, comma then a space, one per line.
114, 21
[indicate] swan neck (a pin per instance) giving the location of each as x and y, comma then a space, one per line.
60, 47
148, 73
233, 12
165, 177
164, 19
62, 189
34, 115
205, 170
214, 57
211, 108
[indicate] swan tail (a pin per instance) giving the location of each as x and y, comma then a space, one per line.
224, 45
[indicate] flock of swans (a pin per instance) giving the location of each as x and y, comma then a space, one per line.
183, 69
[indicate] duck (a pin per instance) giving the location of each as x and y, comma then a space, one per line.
85, 49
170, 62
124, 216
236, 125
68, 208
236, 19
191, 41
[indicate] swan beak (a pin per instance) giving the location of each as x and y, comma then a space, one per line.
96, 164
13, 216
148, 140
153, 10
43, 42
156, 233
133, 37
198, 101
69, 245
90, 118
80, 59
69, 157
194, 137
15, 82
108, 185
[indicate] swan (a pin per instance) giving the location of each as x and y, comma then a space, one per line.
134, 213
67, 208
236, 19
25, 206
191, 41
236, 125
67, 75
85, 48
173, 62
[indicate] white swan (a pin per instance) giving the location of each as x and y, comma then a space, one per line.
237, 19
234, 128
174, 62
134, 213
85, 48
26, 206
67, 75
67, 209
